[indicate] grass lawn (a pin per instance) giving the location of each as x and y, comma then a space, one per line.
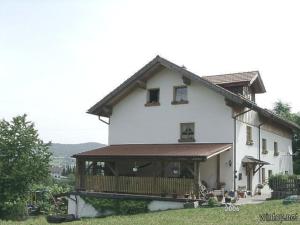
248, 214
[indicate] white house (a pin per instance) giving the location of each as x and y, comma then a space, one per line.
172, 132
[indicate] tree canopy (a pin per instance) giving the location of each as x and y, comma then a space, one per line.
24, 159
283, 110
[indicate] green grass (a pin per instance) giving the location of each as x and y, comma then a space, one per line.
248, 214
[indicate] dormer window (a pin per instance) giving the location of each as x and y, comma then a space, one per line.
153, 97
187, 132
180, 95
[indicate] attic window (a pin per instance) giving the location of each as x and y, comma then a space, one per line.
153, 97
180, 95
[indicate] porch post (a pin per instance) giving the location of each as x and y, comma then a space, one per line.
218, 171
162, 167
197, 178
80, 172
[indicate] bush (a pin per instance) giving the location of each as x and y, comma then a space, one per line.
282, 178
132, 207
212, 201
122, 207
13, 210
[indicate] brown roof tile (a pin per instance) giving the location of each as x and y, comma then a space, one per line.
162, 150
232, 78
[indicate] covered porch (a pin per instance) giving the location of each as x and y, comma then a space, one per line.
148, 169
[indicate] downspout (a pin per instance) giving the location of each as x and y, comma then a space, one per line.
234, 148
259, 143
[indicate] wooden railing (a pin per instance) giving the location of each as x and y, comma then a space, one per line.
138, 185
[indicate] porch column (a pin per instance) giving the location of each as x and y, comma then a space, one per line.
197, 178
80, 173
162, 167
218, 171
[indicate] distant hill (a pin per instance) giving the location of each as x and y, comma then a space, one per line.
67, 150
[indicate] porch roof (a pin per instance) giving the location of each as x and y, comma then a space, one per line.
194, 150
251, 159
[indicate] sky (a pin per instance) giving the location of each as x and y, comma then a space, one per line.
59, 57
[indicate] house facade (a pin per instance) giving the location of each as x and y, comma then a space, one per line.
171, 131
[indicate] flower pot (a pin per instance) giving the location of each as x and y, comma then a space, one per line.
186, 195
219, 198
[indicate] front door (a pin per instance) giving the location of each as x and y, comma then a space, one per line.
249, 181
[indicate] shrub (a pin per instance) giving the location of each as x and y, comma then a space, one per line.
282, 178
212, 201
132, 207
118, 206
13, 210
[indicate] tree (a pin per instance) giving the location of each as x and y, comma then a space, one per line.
24, 160
284, 110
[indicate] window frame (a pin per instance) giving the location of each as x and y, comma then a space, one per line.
249, 135
148, 103
276, 152
175, 102
192, 139
270, 173
263, 175
264, 146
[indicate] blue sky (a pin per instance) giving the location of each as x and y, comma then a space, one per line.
59, 57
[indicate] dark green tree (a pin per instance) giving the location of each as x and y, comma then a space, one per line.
24, 161
284, 110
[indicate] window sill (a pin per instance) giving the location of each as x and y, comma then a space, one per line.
152, 104
180, 102
187, 140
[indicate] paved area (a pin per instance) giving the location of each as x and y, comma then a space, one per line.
257, 199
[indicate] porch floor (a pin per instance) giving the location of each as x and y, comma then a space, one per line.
256, 199
133, 196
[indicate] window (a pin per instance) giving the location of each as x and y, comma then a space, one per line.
180, 95
276, 153
264, 146
249, 136
240, 176
286, 172
263, 175
187, 131
152, 97
269, 173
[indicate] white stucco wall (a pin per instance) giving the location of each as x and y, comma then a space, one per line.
131, 122
87, 210
279, 164
208, 170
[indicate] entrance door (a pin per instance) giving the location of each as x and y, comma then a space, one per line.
249, 180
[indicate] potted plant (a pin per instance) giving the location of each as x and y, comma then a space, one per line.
219, 198
186, 195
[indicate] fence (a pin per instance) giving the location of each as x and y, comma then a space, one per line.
284, 186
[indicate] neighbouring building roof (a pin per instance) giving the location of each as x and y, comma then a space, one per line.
195, 150
251, 78
104, 106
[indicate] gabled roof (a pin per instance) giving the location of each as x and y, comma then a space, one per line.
104, 106
251, 78
195, 150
